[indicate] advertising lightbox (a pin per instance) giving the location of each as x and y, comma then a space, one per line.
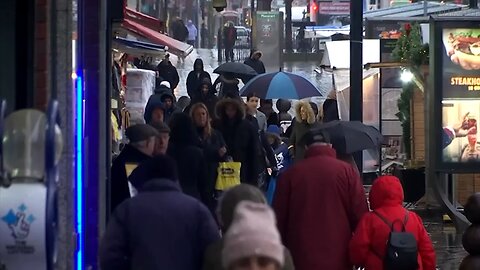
456, 86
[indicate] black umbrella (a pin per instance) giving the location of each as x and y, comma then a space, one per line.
351, 136
238, 69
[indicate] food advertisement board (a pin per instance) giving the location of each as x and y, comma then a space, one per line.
456, 85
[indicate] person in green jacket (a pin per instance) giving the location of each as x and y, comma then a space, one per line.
228, 202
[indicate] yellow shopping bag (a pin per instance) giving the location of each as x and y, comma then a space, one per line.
228, 175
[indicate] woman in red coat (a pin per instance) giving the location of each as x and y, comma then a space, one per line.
371, 234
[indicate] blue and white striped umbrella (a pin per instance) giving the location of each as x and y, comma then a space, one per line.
280, 85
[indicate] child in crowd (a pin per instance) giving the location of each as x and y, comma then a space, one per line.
280, 149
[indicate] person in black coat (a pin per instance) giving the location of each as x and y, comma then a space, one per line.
168, 100
141, 147
214, 149
254, 62
330, 108
185, 149
240, 137
227, 86
265, 155
154, 110
266, 107
168, 72
207, 96
195, 78
160, 228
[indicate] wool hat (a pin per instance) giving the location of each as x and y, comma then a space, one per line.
232, 197
140, 132
315, 136
274, 130
166, 84
252, 233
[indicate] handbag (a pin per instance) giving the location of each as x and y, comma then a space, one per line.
228, 175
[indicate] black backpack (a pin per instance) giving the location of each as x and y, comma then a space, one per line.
401, 252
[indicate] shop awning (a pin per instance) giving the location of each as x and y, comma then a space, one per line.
135, 47
174, 46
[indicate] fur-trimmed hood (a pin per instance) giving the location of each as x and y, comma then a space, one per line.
310, 113
220, 108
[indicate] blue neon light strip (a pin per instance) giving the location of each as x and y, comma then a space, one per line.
79, 169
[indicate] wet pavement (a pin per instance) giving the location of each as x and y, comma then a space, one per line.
306, 69
447, 243
446, 240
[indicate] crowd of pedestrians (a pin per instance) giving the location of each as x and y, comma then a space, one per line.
166, 211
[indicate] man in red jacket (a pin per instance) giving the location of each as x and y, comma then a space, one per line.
318, 203
368, 244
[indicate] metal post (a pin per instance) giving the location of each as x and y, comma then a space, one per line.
425, 8
252, 22
356, 68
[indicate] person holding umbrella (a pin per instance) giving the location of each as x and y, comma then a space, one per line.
348, 137
227, 86
227, 83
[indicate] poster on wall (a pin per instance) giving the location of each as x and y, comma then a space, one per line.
457, 85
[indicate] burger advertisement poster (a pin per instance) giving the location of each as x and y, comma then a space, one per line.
460, 94
461, 63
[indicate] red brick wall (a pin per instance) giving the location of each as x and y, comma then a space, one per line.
41, 54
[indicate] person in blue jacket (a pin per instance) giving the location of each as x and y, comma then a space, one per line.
280, 149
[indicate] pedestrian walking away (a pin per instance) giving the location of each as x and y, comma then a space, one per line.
253, 241
368, 246
319, 202
168, 72
141, 147
160, 228
225, 215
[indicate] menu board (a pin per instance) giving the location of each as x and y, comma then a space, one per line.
460, 94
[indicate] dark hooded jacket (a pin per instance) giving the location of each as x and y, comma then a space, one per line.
185, 149
119, 190
160, 228
195, 78
210, 99
257, 65
169, 73
228, 203
154, 102
241, 139
227, 87
168, 113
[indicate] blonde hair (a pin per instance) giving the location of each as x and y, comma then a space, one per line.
207, 131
